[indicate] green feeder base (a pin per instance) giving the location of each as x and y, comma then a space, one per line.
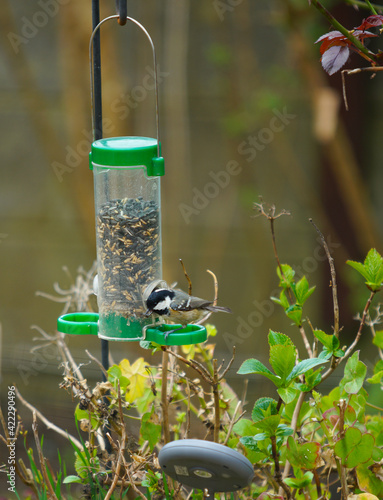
190, 334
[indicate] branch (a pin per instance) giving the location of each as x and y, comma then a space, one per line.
49, 424
217, 420
333, 280
164, 396
337, 25
52, 494
362, 322
192, 363
277, 474
121, 450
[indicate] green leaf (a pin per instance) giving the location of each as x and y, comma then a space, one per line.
72, 479
150, 429
378, 339
264, 407
265, 415
115, 376
244, 427
303, 455
276, 338
329, 341
368, 481
354, 374
302, 291
253, 366
354, 448
284, 431
269, 425
282, 301
374, 264
376, 378
371, 269
294, 312
301, 482
282, 359
287, 394
304, 366
287, 279
251, 442
85, 414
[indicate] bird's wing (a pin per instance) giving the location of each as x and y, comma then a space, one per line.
186, 302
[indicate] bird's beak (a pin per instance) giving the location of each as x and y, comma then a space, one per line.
147, 313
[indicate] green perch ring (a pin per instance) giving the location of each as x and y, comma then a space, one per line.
177, 334
87, 323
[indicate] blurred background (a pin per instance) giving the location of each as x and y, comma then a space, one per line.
246, 111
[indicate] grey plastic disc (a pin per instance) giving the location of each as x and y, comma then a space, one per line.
206, 465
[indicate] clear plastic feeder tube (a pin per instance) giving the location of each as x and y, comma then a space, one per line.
128, 231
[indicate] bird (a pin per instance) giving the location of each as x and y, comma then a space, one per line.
177, 306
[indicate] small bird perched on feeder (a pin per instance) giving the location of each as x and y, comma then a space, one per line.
176, 305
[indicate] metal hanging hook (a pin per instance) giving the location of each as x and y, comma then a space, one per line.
122, 11
117, 16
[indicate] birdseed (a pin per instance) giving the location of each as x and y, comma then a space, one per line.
128, 234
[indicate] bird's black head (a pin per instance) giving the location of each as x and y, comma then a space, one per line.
159, 301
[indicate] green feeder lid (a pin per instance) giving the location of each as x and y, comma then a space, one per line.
190, 334
127, 152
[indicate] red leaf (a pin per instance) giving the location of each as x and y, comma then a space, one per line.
361, 35
370, 22
332, 38
334, 58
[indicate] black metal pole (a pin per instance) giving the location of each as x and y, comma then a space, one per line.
98, 135
97, 71
98, 124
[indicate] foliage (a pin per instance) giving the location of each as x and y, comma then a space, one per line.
300, 441
337, 45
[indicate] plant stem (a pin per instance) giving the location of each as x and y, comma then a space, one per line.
217, 421
363, 5
47, 482
337, 25
277, 474
361, 325
164, 396
333, 280
294, 425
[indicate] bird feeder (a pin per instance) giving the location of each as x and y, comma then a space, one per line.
127, 173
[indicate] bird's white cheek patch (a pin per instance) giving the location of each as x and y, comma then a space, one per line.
164, 304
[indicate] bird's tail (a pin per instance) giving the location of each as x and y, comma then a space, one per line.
219, 309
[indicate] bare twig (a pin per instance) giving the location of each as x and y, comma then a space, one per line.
333, 279
100, 365
121, 450
215, 297
228, 366
192, 363
187, 277
233, 420
52, 494
305, 341
164, 396
47, 422
217, 420
361, 324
